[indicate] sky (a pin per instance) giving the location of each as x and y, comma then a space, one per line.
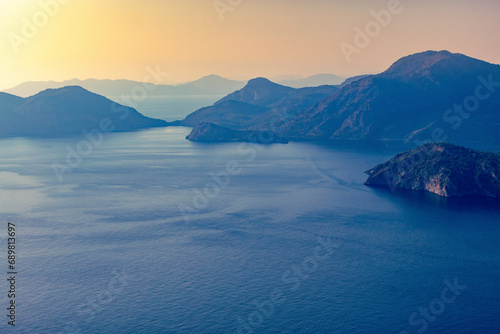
237, 39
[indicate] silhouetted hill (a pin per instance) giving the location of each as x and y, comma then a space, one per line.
233, 114
9, 101
409, 102
68, 110
209, 85
349, 81
259, 91
260, 105
9, 119
444, 169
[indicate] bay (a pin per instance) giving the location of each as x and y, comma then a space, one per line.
125, 243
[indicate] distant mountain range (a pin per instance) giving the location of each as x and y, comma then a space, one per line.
65, 111
208, 85
429, 96
72, 109
313, 81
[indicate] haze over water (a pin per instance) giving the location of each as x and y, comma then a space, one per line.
117, 217
151, 233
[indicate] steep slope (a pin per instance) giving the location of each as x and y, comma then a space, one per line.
259, 91
9, 101
70, 110
230, 113
260, 105
444, 169
350, 80
408, 102
9, 118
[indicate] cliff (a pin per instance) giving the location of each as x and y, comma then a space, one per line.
443, 169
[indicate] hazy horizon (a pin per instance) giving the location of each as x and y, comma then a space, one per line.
284, 77
61, 40
231, 207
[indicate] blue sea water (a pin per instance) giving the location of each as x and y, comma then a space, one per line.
112, 248
168, 108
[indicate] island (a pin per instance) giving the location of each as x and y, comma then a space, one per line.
444, 169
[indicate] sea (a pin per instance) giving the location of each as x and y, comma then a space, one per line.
147, 232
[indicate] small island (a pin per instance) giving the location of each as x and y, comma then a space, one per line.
444, 169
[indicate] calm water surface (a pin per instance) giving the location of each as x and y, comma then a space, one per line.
107, 249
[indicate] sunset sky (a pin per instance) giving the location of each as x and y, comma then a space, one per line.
119, 39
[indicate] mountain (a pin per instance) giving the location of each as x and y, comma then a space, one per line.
349, 81
67, 110
102, 87
260, 105
259, 91
9, 101
232, 114
444, 169
209, 85
209, 132
313, 81
420, 97
8, 118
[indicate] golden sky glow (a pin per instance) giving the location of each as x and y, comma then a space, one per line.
118, 39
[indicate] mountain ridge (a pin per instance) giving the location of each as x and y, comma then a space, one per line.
260, 105
68, 110
208, 85
405, 102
